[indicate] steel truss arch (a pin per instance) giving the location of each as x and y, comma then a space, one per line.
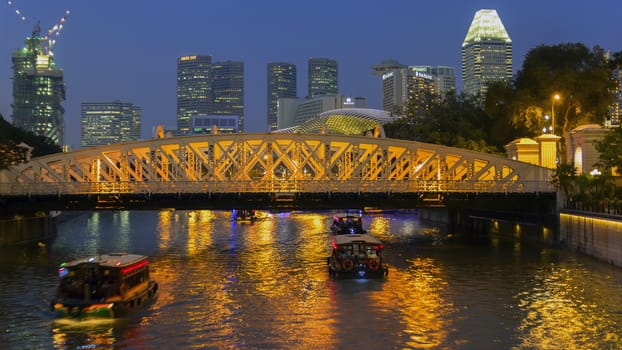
272, 162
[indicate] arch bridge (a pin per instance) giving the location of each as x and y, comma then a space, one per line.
260, 169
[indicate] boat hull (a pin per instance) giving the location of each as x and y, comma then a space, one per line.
80, 309
362, 271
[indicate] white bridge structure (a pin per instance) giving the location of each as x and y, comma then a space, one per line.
277, 163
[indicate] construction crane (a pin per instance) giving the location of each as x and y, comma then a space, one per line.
49, 40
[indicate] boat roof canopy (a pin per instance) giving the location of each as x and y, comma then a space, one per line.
356, 238
116, 260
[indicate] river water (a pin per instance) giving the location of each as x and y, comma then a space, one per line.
264, 285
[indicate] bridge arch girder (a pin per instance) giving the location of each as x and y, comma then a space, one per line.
275, 162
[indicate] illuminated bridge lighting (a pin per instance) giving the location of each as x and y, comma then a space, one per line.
272, 163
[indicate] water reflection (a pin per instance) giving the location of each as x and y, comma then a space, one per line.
225, 284
67, 334
557, 313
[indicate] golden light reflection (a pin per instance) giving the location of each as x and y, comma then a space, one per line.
164, 228
381, 224
200, 226
94, 333
263, 261
272, 255
556, 313
420, 288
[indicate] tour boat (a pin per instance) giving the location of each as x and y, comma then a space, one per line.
245, 215
104, 286
347, 223
356, 256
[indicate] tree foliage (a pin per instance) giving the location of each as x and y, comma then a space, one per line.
610, 149
10, 139
456, 121
518, 108
580, 76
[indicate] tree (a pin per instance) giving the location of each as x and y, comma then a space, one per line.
610, 149
581, 77
564, 179
457, 121
11, 137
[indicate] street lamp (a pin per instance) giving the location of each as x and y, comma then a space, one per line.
555, 98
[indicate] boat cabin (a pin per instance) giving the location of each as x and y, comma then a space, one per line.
103, 285
357, 255
347, 223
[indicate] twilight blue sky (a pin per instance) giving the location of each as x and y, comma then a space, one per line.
127, 50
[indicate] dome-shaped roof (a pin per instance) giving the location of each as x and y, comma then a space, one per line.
346, 121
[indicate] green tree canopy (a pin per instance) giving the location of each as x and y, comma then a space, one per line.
582, 78
11, 137
457, 121
610, 149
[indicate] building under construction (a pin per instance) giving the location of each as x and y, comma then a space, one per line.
38, 89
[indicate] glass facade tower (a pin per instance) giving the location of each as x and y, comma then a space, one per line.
105, 123
323, 77
486, 53
282, 82
228, 90
194, 89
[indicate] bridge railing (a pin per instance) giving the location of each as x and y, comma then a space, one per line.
274, 186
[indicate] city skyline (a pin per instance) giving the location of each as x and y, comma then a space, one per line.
127, 51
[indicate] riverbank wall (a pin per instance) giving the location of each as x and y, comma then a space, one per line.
595, 235
27, 229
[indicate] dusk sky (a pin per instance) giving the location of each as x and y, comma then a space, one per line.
127, 50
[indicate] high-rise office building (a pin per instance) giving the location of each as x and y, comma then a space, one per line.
615, 111
323, 77
394, 79
228, 90
194, 89
282, 83
38, 90
105, 123
417, 84
421, 86
486, 53
445, 78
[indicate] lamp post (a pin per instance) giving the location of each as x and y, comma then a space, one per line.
555, 98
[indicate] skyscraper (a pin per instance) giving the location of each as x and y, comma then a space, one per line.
615, 111
418, 84
446, 79
282, 83
194, 89
394, 80
486, 53
323, 77
422, 87
105, 123
38, 90
228, 90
